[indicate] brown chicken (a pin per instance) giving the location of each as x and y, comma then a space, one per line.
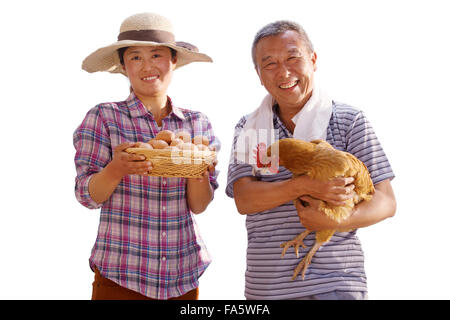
319, 160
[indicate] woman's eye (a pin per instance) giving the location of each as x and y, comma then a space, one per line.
135, 58
156, 56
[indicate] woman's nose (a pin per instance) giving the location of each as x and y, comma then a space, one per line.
148, 64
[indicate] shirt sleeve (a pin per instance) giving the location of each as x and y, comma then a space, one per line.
236, 170
203, 126
362, 142
93, 152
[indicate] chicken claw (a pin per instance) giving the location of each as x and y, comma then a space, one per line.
304, 264
296, 243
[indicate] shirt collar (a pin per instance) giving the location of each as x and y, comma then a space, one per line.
137, 108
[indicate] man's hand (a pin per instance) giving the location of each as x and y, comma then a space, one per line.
311, 217
334, 191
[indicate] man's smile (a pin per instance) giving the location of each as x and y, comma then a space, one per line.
288, 85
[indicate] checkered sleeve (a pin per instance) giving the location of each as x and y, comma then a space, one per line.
93, 153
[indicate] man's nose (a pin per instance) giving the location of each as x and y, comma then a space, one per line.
284, 70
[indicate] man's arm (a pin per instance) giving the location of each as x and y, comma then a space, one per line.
252, 195
383, 205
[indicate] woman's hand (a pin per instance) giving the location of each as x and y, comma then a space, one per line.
103, 183
124, 163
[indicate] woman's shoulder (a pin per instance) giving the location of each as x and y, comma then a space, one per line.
107, 108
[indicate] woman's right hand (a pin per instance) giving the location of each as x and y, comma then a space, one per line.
124, 163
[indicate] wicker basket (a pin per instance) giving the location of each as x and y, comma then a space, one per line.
176, 163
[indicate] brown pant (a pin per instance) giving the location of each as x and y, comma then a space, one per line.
105, 289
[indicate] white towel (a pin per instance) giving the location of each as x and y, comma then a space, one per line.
311, 123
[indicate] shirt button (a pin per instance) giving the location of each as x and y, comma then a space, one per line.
164, 234
163, 258
164, 208
164, 182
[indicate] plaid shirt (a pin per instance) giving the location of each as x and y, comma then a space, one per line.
147, 239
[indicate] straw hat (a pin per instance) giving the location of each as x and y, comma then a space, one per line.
143, 29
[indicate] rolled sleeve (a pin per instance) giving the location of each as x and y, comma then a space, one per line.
82, 192
93, 153
236, 169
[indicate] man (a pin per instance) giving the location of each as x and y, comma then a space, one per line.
285, 61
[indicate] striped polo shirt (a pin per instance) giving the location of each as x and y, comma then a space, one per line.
339, 264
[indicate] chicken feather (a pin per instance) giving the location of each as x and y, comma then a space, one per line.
319, 160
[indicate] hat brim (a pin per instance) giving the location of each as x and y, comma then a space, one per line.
107, 58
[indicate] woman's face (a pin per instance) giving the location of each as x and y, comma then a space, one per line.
149, 69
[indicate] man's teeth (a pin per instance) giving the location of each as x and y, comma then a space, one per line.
288, 85
150, 78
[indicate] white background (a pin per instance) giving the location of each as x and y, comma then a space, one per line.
388, 58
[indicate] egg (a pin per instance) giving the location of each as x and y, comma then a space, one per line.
183, 135
200, 140
188, 146
143, 145
165, 135
158, 144
202, 147
176, 142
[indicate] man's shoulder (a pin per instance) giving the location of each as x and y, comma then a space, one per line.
242, 121
341, 109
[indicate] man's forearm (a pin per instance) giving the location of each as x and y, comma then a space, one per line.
381, 206
252, 196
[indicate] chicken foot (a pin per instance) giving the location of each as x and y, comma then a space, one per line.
296, 243
303, 265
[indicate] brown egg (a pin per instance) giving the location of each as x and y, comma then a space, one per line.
202, 147
200, 140
183, 135
165, 135
176, 142
173, 148
159, 144
188, 146
143, 145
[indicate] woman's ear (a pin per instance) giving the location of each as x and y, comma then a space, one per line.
124, 69
174, 62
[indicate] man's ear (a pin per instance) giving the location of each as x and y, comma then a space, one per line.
259, 76
314, 60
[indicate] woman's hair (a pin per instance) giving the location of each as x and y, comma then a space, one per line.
277, 27
121, 51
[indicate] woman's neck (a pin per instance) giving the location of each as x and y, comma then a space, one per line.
159, 106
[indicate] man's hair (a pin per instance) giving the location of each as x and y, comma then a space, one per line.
277, 27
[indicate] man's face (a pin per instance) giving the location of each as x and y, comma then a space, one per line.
286, 68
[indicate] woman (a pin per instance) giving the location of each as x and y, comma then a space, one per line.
147, 245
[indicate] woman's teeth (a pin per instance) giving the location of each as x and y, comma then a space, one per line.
150, 78
288, 85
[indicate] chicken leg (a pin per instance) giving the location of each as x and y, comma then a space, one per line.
296, 243
303, 265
